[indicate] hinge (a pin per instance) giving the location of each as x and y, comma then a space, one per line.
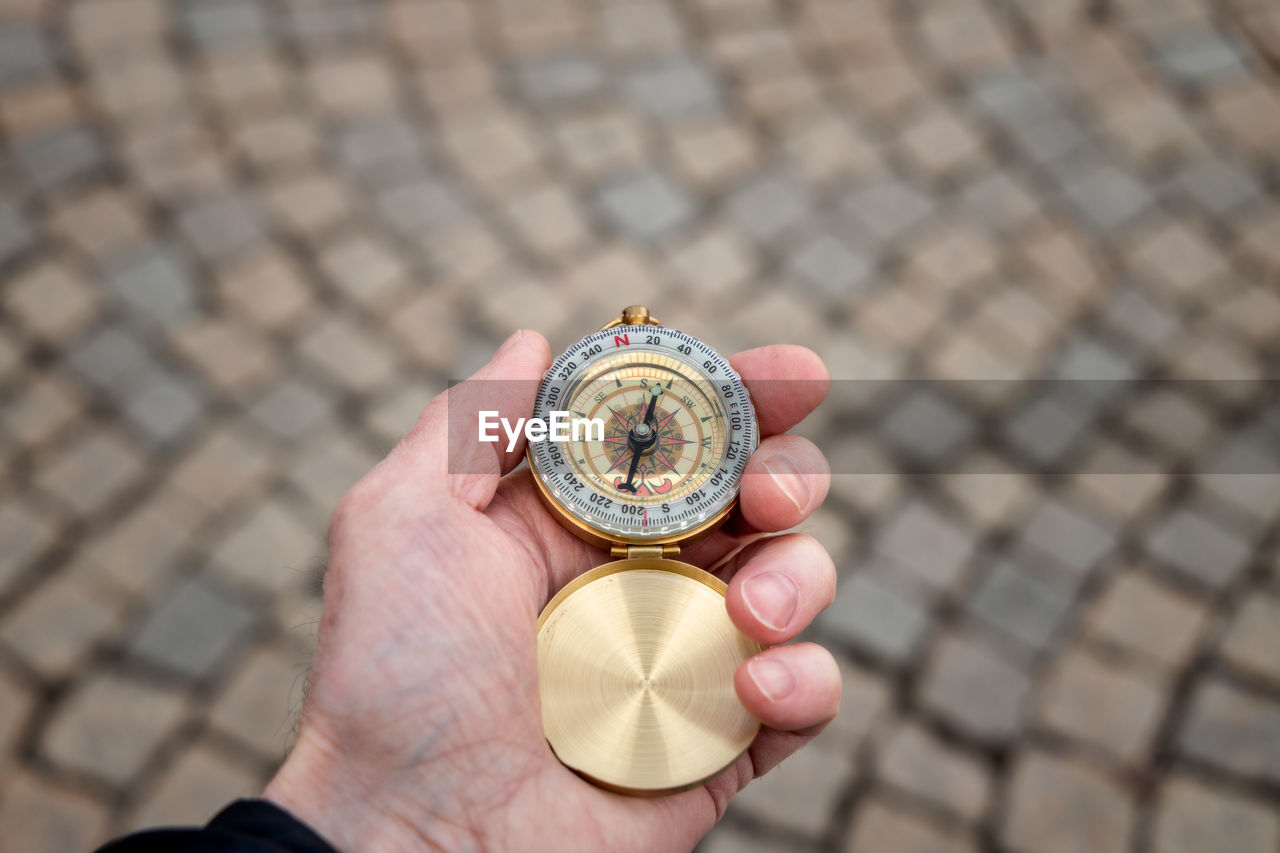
632, 552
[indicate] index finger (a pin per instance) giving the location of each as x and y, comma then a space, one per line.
786, 382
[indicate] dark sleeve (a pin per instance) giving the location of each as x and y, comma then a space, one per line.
245, 826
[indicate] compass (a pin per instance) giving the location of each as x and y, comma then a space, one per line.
636, 657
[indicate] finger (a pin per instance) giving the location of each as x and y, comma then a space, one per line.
443, 449
783, 584
786, 479
786, 384
792, 688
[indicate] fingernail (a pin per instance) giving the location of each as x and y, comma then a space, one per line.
773, 679
509, 342
771, 598
787, 477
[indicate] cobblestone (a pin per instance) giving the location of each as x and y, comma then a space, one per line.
192, 630
1192, 816
1060, 806
111, 726
242, 244
1233, 729
974, 689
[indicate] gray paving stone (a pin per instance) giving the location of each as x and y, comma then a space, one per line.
25, 54
1133, 314
165, 407
558, 80
155, 283
331, 22
1198, 548
383, 147
927, 427
881, 616
1202, 56
830, 266
1021, 605
56, 157
888, 208
15, 233
801, 794
1014, 98
676, 89
767, 206
1245, 474
193, 630
1073, 539
646, 205
221, 225
1095, 370
218, 23
1051, 425
1049, 140
1216, 185
1233, 729
112, 360
975, 690
1105, 195
926, 544
418, 206
999, 201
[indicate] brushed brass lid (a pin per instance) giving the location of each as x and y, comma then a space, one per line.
636, 661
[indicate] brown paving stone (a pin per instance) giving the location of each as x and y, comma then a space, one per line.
1057, 805
232, 356
918, 763
548, 219
349, 354
261, 703
100, 222
266, 288
1192, 817
881, 826
42, 817
57, 625
193, 788
224, 466
45, 406
109, 726
939, 143
269, 546
1101, 705
91, 470
1252, 641
1140, 614
51, 301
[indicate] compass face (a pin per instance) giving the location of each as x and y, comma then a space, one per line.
677, 429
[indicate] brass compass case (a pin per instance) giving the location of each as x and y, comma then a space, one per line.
636, 657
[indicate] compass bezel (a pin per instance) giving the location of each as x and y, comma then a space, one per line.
553, 473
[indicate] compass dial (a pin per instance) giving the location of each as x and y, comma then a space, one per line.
667, 430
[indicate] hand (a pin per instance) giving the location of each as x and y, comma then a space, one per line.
421, 728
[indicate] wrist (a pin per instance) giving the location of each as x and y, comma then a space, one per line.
338, 800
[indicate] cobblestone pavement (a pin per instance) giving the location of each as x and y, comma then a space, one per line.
243, 241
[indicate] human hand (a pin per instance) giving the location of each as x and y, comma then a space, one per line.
421, 725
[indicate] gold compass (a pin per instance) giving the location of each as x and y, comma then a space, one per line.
636, 657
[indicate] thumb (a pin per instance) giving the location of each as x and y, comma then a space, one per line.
443, 449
